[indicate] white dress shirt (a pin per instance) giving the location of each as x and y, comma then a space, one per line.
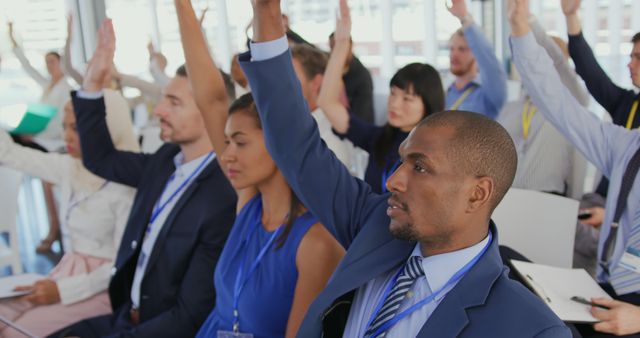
438, 270
183, 172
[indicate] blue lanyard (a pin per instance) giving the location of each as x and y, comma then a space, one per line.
159, 207
454, 279
242, 280
387, 173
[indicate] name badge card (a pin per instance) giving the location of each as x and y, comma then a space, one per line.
631, 260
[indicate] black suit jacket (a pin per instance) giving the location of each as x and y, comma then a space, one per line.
177, 290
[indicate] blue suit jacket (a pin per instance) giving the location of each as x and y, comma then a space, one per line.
177, 289
485, 303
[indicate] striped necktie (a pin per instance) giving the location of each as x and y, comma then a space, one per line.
623, 280
412, 270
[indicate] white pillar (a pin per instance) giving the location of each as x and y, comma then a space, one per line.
386, 45
223, 48
155, 25
430, 43
590, 15
615, 39
635, 19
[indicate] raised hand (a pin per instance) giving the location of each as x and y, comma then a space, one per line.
518, 12
458, 8
100, 65
343, 23
267, 20
570, 7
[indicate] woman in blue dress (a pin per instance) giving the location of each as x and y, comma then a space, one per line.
416, 92
278, 257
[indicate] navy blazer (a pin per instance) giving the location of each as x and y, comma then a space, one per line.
177, 291
484, 303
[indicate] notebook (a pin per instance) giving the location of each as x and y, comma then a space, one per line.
7, 284
556, 287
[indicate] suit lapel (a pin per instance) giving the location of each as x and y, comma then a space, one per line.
451, 317
373, 253
168, 224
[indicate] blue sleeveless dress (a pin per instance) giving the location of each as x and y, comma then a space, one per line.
266, 299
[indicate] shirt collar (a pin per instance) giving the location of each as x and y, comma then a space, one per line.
183, 169
474, 82
440, 268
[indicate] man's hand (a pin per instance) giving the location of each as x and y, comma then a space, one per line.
570, 7
459, 9
597, 217
621, 318
100, 65
267, 20
43, 292
518, 12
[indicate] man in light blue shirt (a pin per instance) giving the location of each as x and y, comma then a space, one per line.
608, 146
470, 53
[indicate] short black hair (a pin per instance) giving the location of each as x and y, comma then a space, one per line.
636, 38
228, 83
481, 147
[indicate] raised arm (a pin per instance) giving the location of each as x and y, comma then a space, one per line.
324, 185
26, 65
147, 88
560, 62
67, 66
99, 153
50, 167
600, 142
492, 76
329, 97
598, 82
206, 81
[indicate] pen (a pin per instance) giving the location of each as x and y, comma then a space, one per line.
541, 289
586, 302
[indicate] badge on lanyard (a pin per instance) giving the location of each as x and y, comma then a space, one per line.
631, 260
231, 334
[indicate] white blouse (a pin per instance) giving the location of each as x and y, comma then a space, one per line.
93, 213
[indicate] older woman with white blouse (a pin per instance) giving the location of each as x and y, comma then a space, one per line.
93, 214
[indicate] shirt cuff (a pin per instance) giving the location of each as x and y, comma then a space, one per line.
524, 46
89, 95
261, 51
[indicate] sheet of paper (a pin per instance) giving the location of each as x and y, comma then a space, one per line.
556, 286
7, 284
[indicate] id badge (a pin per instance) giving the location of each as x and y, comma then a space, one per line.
631, 260
231, 334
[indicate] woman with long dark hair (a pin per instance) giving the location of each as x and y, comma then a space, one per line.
278, 257
416, 92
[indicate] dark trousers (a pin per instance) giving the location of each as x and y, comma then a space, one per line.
97, 326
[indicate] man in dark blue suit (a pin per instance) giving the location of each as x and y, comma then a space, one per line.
162, 284
423, 260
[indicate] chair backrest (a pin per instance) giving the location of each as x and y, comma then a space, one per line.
10, 181
540, 226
